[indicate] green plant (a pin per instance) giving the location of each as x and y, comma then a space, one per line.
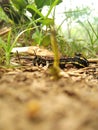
72, 16
91, 37
55, 70
3, 16
6, 46
45, 21
9, 45
16, 9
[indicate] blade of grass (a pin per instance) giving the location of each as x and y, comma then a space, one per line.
88, 32
51, 7
93, 30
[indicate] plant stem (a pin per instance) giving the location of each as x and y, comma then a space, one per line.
54, 46
7, 58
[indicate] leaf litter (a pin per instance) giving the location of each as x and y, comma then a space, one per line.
31, 99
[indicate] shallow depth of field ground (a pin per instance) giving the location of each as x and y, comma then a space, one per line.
31, 100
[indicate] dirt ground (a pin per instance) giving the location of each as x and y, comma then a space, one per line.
30, 99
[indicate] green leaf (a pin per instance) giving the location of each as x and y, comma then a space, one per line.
38, 37
33, 9
45, 2
54, 3
47, 21
20, 4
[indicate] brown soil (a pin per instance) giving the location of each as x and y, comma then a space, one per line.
30, 99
